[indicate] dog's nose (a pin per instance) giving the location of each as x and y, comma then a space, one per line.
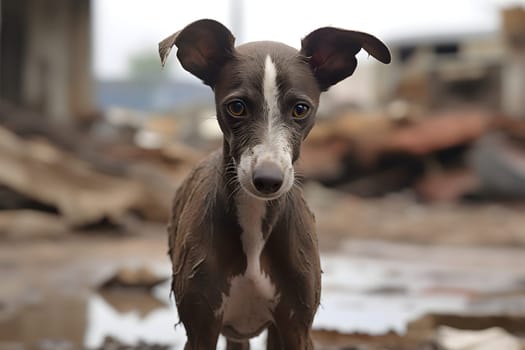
267, 178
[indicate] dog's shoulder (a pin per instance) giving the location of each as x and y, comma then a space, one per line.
189, 205
195, 188
197, 184
297, 201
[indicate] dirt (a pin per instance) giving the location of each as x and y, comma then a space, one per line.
401, 217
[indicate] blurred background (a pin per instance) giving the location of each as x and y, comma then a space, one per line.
415, 170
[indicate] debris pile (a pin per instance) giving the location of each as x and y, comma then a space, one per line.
111, 343
56, 182
439, 156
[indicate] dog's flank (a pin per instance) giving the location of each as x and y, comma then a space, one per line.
241, 238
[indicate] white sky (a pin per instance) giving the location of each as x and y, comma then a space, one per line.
123, 27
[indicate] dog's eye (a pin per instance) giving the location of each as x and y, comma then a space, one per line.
300, 110
236, 108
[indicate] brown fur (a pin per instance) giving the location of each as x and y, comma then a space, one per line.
205, 244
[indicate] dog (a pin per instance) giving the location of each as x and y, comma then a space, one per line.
242, 239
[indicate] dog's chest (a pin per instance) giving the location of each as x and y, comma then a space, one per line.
251, 298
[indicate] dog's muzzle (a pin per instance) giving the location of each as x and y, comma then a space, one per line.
265, 174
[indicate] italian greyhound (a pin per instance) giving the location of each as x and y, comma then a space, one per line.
242, 239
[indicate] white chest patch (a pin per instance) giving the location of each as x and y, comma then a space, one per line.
248, 306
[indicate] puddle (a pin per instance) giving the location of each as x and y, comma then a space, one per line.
359, 295
368, 295
158, 325
371, 296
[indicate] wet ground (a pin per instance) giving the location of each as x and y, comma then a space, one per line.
49, 296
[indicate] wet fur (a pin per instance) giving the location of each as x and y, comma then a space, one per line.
205, 234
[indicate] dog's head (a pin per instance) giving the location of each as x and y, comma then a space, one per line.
267, 93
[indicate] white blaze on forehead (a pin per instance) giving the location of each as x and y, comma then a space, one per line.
270, 90
276, 133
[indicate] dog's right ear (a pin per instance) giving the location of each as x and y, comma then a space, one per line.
203, 47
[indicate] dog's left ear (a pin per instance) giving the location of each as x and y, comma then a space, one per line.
331, 53
203, 47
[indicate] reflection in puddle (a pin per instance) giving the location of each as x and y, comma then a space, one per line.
131, 301
378, 314
154, 327
348, 305
130, 327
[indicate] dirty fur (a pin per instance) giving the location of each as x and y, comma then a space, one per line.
279, 286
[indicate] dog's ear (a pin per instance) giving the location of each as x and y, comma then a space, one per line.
331, 53
203, 47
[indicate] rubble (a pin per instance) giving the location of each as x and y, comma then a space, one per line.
111, 343
127, 301
514, 324
486, 339
447, 185
129, 289
81, 195
26, 224
333, 340
499, 163
133, 278
79, 181
440, 156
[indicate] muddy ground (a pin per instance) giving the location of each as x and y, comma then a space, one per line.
386, 262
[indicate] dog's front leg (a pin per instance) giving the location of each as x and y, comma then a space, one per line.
231, 345
296, 339
202, 326
273, 341
289, 337
289, 332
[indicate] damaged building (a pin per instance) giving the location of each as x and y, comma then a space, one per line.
485, 69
